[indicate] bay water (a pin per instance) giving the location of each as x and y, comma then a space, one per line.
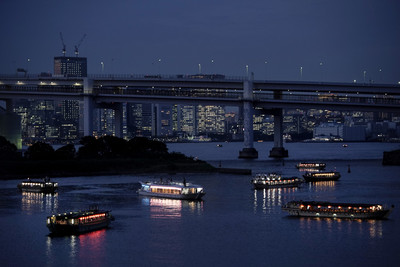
234, 225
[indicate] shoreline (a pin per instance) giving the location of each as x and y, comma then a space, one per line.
15, 170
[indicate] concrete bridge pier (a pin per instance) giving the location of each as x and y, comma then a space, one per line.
248, 152
9, 105
278, 151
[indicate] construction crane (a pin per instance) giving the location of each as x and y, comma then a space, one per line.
79, 44
62, 41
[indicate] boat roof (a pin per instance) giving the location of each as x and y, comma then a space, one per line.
77, 214
170, 184
312, 162
41, 180
322, 172
274, 176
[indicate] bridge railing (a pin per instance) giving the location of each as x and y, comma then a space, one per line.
42, 88
323, 98
183, 92
166, 77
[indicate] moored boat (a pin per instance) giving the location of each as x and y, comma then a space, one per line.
169, 189
38, 186
321, 176
336, 210
269, 180
311, 165
77, 222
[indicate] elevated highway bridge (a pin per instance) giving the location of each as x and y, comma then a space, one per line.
270, 96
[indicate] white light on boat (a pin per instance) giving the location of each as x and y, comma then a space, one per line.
166, 187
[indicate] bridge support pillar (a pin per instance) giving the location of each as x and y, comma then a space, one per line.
248, 152
9, 106
278, 151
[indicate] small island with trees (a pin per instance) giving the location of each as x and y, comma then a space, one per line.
107, 155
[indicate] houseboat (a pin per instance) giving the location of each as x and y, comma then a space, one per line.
321, 176
269, 180
77, 222
336, 210
38, 186
170, 189
311, 165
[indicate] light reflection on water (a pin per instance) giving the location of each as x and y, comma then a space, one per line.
322, 186
268, 199
164, 208
332, 226
88, 247
32, 202
92, 247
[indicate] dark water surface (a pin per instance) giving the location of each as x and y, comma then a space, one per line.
234, 225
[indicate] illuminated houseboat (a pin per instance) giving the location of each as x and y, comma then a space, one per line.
78, 222
311, 165
321, 176
262, 180
38, 186
171, 189
336, 210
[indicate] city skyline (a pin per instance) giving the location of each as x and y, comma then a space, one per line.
309, 40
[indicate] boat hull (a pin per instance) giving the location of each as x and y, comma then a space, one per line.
58, 229
196, 196
313, 179
325, 209
38, 190
345, 215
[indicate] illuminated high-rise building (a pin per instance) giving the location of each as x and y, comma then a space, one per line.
69, 109
188, 120
211, 119
139, 119
70, 66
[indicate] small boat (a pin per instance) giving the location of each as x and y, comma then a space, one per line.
321, 176
219, 145
311, 165
77, 222
336, 210
170, 189
262, 180
345, 145
38, 186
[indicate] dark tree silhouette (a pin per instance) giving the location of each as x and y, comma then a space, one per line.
91, 147
7, 149
40, 151
138, 145
114, 147
158, 147
65, 152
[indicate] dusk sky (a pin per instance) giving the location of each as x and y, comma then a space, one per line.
330, 40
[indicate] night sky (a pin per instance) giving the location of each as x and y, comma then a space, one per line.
331, 40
